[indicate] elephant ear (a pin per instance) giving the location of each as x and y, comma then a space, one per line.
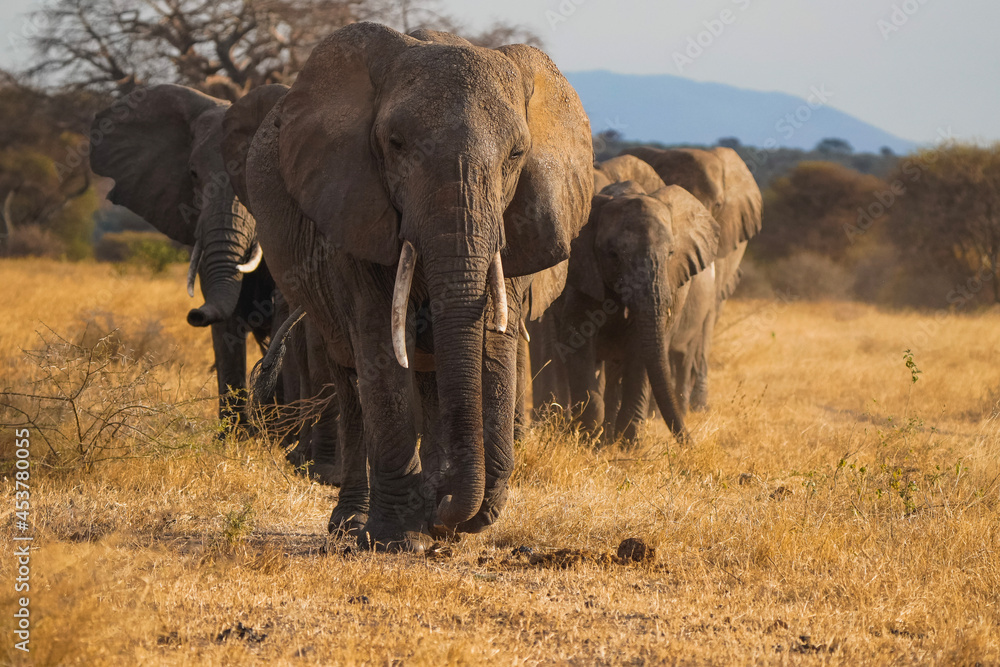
631, 168
546, 286
324, 144
695, 231
144, 142
556, 184
239, 126
584, 272
740, 218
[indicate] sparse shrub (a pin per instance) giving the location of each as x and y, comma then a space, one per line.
101, 332
150, 250
810, 276
754, 283
86, 403
33, 241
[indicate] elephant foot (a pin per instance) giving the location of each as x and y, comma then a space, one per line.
325, 473
699, 397
383, 534
296, 455
347, 520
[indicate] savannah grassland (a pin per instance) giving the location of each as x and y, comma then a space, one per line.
830, 510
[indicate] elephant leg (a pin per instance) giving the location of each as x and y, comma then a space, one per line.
322, 436
635, 398
522, 416
351, 513
230, 345
612, 398
397, 518
586, 381
435, 459
699, 390
299, 383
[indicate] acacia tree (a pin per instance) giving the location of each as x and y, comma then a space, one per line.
224, 47
948, 216
809, 209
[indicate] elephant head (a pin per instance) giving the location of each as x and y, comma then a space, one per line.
458, 164
162, 146
722, 182
626, 168
640, 249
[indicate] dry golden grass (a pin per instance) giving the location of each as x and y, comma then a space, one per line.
830, 511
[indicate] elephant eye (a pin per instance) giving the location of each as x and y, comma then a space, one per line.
517, 154
396, 142
194, 174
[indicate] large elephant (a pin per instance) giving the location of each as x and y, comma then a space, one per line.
405, 190
162, 146
628, 274
724, 185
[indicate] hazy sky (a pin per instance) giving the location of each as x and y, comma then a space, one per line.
912, 67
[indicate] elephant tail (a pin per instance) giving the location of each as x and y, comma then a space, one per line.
264, 376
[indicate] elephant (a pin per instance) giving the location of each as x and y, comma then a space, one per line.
406, 189
629, 273
549, 380
721, 181
162, 146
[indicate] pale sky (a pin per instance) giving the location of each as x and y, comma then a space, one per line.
916, 68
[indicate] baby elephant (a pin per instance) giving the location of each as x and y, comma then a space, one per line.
628, 275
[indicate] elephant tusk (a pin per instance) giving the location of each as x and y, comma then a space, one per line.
523, 330
401, 299
193, 269
499, 292
251, 265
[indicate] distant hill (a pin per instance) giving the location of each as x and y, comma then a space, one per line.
674, 110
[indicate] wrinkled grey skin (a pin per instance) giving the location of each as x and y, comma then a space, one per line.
462, 152
162, 145
628, 274
721, 181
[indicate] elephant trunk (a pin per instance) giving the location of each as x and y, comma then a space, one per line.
652, 322
457, 283
225, 241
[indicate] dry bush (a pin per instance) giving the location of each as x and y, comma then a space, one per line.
33, 241
91, 401
150, 250
810, 276
140, 339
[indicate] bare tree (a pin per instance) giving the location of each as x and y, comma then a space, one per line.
224, 47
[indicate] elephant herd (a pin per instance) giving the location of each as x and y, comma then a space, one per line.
397, 225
